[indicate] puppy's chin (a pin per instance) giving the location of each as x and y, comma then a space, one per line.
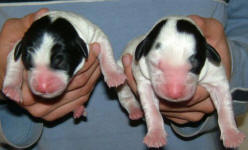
183, 99
48, 95
188, 93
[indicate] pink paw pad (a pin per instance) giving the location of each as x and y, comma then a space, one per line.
115, 79
155, 139
135, 113
233, 138
13, 93
78, 112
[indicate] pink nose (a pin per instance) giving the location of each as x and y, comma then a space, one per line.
47, 85
175, 91
44, 88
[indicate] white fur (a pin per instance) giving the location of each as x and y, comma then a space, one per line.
43, 54
89, 32
212, 77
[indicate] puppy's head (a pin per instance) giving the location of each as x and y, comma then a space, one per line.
52, 52
172, 55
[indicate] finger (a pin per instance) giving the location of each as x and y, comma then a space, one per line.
95, 48
92, 58
177, 121
29, 19
205, 106
41, 109
87, 88
189, 116
202, 23
200, 95
28, 98
65, 109
127, 64
81, 79
208, 25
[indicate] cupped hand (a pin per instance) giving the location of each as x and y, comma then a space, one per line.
200, 104
78, 90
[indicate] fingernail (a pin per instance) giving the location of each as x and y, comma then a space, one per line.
96, 48
126, 60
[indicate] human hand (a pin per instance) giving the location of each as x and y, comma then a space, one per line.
77, 92
200, 104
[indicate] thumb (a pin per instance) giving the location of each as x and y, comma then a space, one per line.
29, 19
127, 64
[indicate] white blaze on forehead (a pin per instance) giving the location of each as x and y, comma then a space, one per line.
175, 47
42, 55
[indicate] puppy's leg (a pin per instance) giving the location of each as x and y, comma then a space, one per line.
129, 102
13, 78
113, 74
78, 112
221, 97
156, 136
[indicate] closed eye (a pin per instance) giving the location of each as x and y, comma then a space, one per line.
193, 61
58, 60
27, 58
158, 45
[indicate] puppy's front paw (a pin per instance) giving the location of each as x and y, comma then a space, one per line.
155, 138
13, 93
232, 138
78, 112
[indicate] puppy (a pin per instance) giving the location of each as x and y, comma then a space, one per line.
170, 61
52, 51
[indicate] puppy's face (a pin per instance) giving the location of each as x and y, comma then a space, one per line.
174, 52
52, 52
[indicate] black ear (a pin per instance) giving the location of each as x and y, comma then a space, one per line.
213, 55
145, 46
142, 49
82, 45
18, 51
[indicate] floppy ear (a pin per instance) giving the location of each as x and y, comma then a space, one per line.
82, 45
142, 49
18, 51
212, 54
145, 46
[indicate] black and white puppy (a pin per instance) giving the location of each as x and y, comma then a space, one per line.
52, 51
170, 61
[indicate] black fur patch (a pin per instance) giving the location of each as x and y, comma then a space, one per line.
198, 59
145, 46
68, 49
